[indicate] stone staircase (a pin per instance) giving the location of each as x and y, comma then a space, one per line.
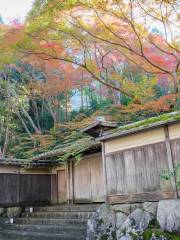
61, 222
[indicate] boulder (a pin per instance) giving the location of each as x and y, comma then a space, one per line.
120, 219
134, 206
136, 223
14, 212
168, 215
126, 237
124, 208
150, 207
102, 223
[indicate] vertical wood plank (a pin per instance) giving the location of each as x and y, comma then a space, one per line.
68, 182
141, 178
162, 164
130, 171
82, 181
153, 176
62, 186
170, 157
111, 175
71, 182
104, 171
97, 181
175, 144
120, 168
54, 198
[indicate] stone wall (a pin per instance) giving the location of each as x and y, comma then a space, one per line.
129, 221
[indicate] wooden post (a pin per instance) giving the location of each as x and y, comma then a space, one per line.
70, 182
54, 189
104, 171
170, 158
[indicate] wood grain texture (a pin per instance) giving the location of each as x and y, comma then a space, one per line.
104, 172
141, 197
54, 196
120, 174
89, 180
175, 146
82, 181
170, 157
97, 181
62, 186
137, 170
111, 175
24, 189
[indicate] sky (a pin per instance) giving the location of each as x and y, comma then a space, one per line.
13, 9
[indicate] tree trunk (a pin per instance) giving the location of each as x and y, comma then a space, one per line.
37, 131
6, 140
24, 125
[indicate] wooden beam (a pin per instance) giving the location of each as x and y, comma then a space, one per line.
141, 197
170, 158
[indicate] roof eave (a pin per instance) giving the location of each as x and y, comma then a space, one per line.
135, 130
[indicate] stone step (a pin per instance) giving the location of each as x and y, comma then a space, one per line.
51, 221
77, 230
57, 222
61, 215
26, 235
3, 220
69, 208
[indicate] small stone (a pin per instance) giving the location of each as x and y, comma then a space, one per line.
124, 208
168, 215
14, 212
150, 207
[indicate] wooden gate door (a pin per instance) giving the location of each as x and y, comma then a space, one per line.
62, 186
88, 180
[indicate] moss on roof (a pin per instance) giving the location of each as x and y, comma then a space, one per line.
146, 123
74, 149
163, 118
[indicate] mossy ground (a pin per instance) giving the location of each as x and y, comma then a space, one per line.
158, 232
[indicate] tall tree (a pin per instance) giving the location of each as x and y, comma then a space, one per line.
102, 36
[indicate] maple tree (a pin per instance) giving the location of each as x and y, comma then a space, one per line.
120, 56
103, 36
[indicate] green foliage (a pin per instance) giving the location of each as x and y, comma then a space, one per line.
177, 105
158, 232
167, 175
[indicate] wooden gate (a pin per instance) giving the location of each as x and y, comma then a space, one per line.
88, 180
62, 186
